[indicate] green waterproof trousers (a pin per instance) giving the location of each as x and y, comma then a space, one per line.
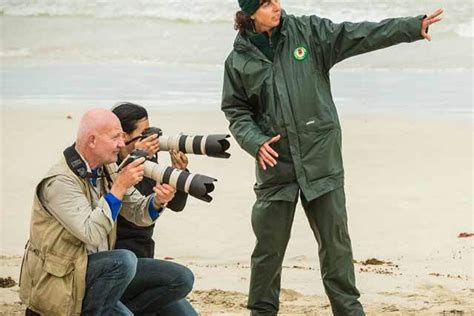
272, 221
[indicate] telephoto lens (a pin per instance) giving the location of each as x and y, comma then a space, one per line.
214, 145
196, 185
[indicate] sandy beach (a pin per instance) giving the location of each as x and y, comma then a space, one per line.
409, 195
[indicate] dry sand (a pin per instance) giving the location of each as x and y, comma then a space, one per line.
409, 195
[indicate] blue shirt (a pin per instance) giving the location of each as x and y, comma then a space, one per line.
115, 203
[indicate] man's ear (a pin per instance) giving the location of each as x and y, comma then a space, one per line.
91, 141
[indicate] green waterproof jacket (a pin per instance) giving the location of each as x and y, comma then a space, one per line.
291, 96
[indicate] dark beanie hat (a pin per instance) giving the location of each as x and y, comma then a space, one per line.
249, 6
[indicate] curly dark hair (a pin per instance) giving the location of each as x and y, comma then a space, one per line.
243, 22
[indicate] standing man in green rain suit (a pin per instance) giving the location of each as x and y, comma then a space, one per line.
277, 98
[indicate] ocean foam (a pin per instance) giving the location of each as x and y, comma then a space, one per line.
458, 16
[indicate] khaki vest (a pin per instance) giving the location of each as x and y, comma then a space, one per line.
53, 273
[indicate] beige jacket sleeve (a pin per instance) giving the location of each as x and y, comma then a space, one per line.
135, 207
63, 197
134, 204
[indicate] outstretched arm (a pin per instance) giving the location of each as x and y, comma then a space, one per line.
338, 41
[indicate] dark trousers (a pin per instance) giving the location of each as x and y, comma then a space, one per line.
117, 283
271, 223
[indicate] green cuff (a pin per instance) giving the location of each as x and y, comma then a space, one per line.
413, 28
254, 146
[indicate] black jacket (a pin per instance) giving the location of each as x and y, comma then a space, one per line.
138, 239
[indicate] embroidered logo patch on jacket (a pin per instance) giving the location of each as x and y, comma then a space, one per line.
300, 53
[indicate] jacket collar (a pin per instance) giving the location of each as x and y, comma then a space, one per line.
243, 44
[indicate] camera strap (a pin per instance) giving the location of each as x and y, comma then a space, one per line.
75, 162
78, 165
133, 139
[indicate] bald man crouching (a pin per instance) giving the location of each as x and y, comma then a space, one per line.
69, 267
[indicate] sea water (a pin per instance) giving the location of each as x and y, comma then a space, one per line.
169, 55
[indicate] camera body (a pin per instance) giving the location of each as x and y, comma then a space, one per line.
134, 155
147, 132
